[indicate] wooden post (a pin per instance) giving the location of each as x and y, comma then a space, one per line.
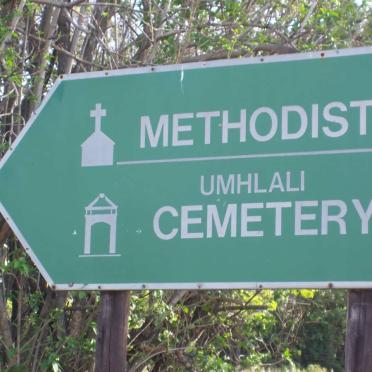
112, 332
358, 345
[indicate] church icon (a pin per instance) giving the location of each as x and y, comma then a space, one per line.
100, 210
97, 149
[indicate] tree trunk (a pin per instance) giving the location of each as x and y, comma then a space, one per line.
358, 346
112, 332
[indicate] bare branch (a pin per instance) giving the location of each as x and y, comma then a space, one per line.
66, 52
59, 4
248, 51
13, 24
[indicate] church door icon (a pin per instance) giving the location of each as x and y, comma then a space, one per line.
100, 210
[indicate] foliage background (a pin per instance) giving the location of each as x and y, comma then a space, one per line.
41, 330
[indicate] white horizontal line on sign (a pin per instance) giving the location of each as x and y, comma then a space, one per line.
247, 156
212, 285
98, 255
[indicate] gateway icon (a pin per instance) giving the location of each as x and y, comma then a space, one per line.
100, 210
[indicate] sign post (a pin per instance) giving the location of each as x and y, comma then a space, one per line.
359, 331
112, 332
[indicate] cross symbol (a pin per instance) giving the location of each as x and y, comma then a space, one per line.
98, 113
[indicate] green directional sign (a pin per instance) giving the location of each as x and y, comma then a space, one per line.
232, 174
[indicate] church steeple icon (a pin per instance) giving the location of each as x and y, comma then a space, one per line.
97, 149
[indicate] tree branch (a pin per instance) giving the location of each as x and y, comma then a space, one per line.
64, 51
5, 331
242, 52
58, 4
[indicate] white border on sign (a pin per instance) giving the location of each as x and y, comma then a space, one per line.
215, 285
222, 63
182, 68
